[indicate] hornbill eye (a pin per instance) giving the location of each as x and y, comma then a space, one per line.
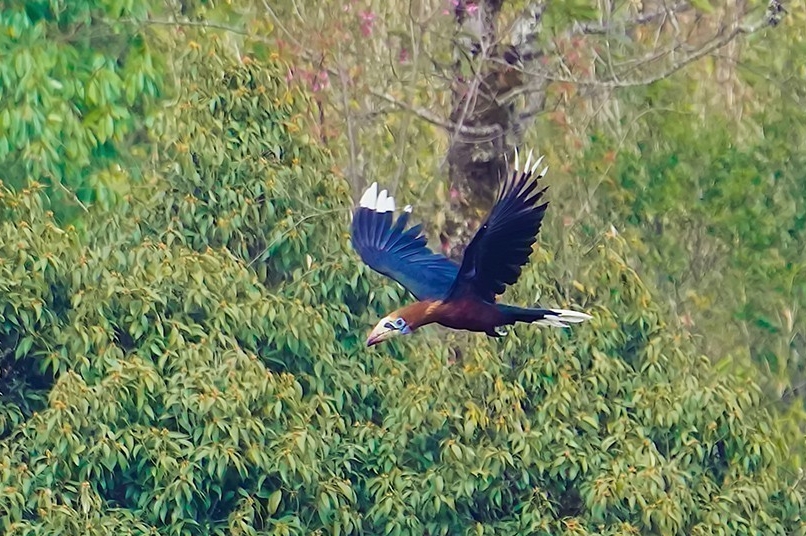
397, 323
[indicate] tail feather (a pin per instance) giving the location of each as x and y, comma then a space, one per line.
558, 318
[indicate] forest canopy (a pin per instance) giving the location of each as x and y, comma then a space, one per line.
182, 318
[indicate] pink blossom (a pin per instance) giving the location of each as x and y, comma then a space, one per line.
445, 245
458, 6
367, 20
321, 81
403, 55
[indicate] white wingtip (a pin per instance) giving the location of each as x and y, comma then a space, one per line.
534, 166
529, 167
407, 208
378, 202
370, 197
561, 316
381, 202
387, 206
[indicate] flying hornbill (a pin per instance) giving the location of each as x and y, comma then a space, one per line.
453, 295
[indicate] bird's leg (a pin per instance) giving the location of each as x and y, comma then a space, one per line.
498, 331
455, 356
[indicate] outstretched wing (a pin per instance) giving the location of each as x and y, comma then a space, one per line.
400, 253
501, 247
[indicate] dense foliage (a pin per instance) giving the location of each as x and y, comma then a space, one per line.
723, 228
72, 97
192, 362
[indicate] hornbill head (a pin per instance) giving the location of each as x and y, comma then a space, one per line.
390, 326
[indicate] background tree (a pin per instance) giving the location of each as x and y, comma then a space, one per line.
191, 359
450, 87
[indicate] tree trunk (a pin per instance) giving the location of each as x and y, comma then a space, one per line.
488, 124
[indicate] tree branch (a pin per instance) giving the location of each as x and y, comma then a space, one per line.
435, 119
189, 23
720, 40
592, 28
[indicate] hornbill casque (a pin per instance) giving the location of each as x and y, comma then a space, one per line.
458, 296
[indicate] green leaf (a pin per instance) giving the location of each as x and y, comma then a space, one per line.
274, 501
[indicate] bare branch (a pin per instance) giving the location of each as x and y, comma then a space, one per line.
72, 195
348, 118
717, 42
593, 28
190, 23
437, 120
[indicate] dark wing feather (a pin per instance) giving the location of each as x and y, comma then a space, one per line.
402, 254
501, 247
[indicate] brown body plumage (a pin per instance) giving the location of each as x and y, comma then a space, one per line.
467, 314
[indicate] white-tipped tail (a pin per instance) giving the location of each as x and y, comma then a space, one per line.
561, 317
372, 200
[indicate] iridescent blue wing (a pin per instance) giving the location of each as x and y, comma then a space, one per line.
402, 254
502, 245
